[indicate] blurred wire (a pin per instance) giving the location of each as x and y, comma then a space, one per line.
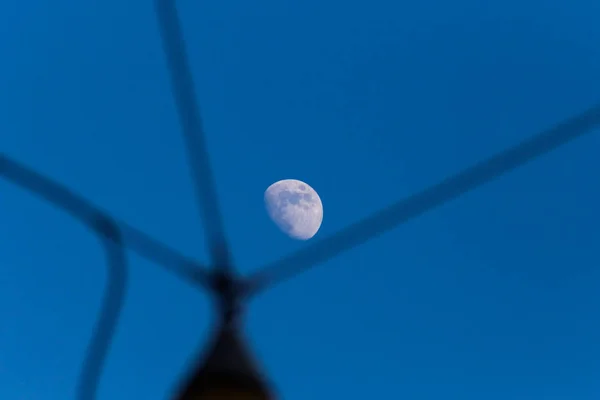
115, 235
61, 197
164, 256
187, 106
112, 239
112, 305
432, 197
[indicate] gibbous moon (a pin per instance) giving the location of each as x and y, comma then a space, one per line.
295, 208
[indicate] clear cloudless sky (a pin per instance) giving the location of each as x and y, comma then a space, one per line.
493, 296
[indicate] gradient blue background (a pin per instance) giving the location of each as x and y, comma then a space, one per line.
493, 296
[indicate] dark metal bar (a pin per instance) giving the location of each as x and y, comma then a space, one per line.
432, 197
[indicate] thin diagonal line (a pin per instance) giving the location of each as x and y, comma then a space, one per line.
61, 197
424, 201
112, 305
187, 106
110, 234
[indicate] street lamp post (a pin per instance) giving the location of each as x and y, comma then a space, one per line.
228, 371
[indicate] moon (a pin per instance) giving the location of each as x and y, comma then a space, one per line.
295, 208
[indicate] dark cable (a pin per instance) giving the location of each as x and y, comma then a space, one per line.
112, 239
159, 253
312, 255
191, 122
112, 304
417, 204
81, 209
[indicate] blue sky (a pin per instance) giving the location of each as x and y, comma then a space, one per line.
494, 295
